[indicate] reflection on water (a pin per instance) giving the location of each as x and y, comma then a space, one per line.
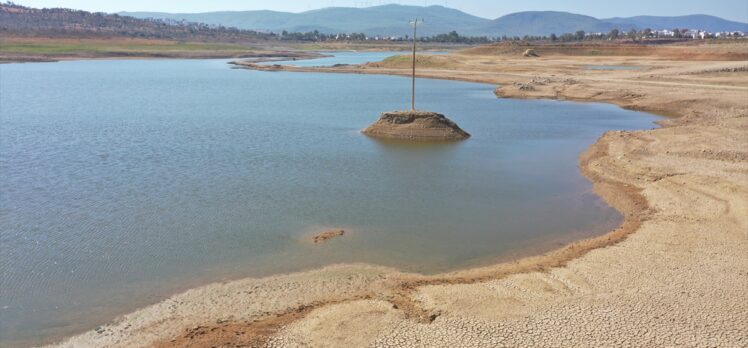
124, 181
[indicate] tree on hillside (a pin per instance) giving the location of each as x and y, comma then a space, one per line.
677, 34
613, 35
554, 38
579, 35
568, 37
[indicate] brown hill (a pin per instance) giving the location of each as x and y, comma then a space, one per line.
16, 20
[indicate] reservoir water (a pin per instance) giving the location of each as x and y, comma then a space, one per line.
124, 181
344, 58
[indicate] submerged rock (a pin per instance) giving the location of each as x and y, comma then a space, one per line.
415, 125
327, 235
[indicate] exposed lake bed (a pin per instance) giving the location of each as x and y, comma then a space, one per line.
492, 157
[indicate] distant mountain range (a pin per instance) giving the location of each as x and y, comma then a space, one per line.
392, 20
387, 20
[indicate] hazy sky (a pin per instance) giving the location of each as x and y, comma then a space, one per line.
730, 9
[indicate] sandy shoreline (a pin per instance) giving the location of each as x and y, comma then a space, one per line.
672, 274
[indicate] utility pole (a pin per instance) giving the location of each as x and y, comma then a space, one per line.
413, 86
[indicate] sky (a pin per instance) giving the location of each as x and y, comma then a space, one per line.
736, 10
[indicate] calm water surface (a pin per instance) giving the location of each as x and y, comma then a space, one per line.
342, 58
348, 58
125, 181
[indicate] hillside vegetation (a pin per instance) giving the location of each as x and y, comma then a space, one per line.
16, 20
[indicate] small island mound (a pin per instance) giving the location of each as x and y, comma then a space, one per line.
415, 125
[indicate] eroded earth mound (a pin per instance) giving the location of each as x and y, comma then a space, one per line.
415, 125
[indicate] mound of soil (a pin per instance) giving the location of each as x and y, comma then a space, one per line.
415, 125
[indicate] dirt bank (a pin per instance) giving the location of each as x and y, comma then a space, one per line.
674, 274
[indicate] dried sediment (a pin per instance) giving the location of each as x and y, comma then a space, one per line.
415, 125
674, 275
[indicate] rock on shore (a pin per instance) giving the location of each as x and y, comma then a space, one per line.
415, 125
